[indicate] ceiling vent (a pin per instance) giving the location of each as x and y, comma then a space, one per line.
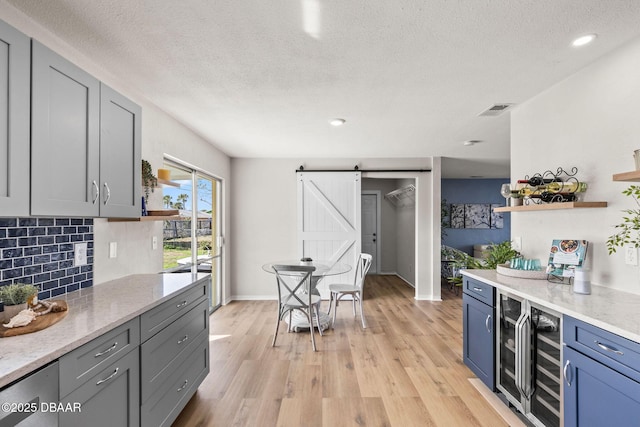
495, 110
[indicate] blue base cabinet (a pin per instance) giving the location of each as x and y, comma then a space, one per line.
596, 395
601, 377
478, 330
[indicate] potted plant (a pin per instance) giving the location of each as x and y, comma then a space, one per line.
629, 229
149, 180
15, 297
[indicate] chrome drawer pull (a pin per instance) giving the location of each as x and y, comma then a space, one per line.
182, 304
108, 194
184, 385
109, 377
186, 337
102, 353
477, 289
95, 198
565, 372
487, 323
607, 348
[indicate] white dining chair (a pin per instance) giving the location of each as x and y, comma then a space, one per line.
339, 290
295, 292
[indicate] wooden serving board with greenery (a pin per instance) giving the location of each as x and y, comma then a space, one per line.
38, 324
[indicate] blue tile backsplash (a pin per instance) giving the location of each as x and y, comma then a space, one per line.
41, 251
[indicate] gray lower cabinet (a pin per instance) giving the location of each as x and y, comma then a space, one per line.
175, 351
85, 143
30, 400
110, 398
14, 121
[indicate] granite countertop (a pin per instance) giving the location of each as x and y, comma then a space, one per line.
92, 312
610, 309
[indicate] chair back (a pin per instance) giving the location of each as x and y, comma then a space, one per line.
364, 263
294, 283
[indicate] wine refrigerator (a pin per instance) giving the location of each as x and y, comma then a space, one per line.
529, 359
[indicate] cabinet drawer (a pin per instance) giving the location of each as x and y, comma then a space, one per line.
154, 320
29, 393
82, 363
109, 398
172, 345
479, 290
619, 353
164, 406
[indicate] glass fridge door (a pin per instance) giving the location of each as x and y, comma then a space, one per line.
547, 362
510, 311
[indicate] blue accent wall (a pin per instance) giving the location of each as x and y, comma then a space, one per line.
459, 191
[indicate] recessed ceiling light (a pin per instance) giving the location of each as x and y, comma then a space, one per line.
337, 122
583, 40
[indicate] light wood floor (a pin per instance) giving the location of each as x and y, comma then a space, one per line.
404, 370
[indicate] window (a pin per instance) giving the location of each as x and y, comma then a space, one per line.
193, 241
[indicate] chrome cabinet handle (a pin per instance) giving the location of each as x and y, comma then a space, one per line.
607, 348
487, 323
95, 198
186, 337
477, 289
109, 377
184, 385
565, 373
182, 304
102, 353
108, 193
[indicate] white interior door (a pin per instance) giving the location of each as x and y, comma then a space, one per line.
329, 220
370, 232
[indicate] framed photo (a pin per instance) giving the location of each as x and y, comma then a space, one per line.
497, 220
477, 216
457, 216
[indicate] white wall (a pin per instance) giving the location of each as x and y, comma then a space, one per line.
265, 217
590, 121
160, 134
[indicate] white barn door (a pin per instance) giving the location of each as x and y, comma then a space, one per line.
329, 221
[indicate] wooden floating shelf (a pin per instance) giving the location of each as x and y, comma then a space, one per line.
627, 176
146, 218
551, 206
169, 183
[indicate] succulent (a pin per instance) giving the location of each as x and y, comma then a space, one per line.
17, 293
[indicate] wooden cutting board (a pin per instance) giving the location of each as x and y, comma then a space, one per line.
38, 324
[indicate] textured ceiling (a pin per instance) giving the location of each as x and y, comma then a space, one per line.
262, 78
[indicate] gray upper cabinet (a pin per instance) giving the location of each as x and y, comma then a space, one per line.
85, 143
14, 121
65, 137
120, 158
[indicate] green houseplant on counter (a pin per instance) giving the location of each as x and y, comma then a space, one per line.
15, 297
629, 229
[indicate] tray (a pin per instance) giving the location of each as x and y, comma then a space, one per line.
38, 324
522, 274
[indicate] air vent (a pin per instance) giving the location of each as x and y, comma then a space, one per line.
495, 110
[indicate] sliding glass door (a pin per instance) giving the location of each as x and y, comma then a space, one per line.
192, 241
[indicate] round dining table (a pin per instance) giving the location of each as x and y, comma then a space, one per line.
299, 321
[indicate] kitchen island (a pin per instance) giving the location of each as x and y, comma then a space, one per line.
125, 346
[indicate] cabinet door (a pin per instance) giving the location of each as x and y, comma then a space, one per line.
14, 121
111, 398
120, 158
65, 114
479, 339
596, 395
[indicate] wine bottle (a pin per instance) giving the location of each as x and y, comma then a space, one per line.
567, 187
536, 181
549, 197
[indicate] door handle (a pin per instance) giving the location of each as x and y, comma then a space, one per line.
374, 240
565, 372
487, 323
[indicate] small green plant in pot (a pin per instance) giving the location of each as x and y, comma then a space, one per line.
17, 293
149, 180
15, 297
629, 230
